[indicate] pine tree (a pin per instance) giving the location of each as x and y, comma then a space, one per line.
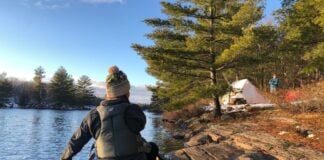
23, 92
39, 91
157, 100
301, 25
189, 54
5, 89
259, 46
84, 91
154, 98
61, 88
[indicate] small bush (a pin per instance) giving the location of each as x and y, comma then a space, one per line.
192, 110
301, 100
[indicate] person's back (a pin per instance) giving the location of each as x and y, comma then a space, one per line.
116, 139
115, 125
274, 83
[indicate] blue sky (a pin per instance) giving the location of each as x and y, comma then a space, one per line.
84, 36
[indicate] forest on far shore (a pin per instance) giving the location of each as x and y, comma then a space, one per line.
62, 92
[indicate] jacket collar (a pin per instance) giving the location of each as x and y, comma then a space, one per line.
118, 100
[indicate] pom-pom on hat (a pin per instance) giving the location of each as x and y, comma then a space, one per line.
117, 83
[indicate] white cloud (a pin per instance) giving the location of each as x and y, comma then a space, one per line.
138, 94
102, 1
47, 4
57, 4
98, 84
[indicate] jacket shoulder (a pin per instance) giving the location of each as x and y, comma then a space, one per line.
134, 108
92, 116
135, 105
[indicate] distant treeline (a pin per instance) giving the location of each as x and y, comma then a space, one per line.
60, 93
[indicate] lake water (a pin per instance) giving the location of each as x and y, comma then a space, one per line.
30, 134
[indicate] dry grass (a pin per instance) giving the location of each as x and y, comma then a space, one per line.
276, 121
309, 99
189, 111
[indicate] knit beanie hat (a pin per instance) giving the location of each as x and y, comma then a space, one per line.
117, 83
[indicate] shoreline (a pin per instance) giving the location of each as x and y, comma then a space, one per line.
157, 112
50, 108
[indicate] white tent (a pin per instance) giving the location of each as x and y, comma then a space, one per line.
247, 91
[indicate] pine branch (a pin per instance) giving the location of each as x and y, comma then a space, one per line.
157, 22
188, 74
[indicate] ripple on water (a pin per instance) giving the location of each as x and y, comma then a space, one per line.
29, 134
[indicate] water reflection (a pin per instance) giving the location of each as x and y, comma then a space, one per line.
154, 131
42, 134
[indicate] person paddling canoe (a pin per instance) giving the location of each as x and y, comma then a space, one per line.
115, 125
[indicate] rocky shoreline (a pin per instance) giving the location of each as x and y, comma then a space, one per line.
48, 106
204, 138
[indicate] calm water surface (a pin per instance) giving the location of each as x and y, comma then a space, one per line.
30, 134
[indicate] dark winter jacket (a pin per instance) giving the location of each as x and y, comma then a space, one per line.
90, 128
274, 82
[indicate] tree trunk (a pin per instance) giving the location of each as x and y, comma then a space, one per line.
262, 79
317, 75
217, 104
212, 60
